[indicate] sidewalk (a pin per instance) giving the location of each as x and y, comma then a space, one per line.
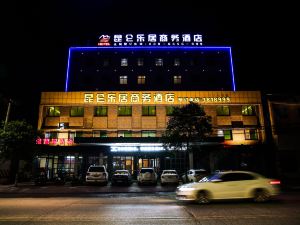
29, 189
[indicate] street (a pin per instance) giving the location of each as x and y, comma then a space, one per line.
146, 208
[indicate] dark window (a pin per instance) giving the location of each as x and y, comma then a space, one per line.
236, 177
100, 111
169, 110
53, 111
176, 62
124, 111
223, 110
141, 79
140, 61
248, 110
251, 134
237, 124
149, 110
177, 79
105, 62
77, 111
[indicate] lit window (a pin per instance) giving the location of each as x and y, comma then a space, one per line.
177, 62
53, 111
227, 134
124, 111
169, 110
159, 62
99, 133
100, 111
177, 79
248, 110
148, 133
149, 111
141, 79
124, 133
123, 79
124, 62
140, 62
77, 111
251, 134
223, 111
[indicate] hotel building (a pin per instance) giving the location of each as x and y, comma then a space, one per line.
119, 96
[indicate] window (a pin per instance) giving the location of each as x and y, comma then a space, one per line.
248, 110
77, 111
124, 62
251, 134
51, 135
99, 133
148, 133
140, 61
53, 111
141, 79
100, 111
159, 62
149, 110
223, 111
124, 133
227, 134
105, 62
177, 79
124, 111
123, 79
169, 110
176, 62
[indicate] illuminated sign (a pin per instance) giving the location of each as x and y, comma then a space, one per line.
150, 40
150, 98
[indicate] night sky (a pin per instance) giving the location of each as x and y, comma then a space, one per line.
35, 37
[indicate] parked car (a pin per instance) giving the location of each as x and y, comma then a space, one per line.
229, 185
96, 174
121, 177
169, 177
194, 175
147, 176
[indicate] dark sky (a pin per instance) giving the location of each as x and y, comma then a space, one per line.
35, 37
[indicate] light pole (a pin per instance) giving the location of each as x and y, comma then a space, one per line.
7, 113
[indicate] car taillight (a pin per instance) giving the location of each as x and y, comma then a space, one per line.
273, 182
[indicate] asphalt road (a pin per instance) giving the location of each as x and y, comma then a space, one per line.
141, 209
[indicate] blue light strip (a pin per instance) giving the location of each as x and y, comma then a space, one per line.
232, 72
152, 48
68, 68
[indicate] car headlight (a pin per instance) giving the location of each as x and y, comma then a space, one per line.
186, 189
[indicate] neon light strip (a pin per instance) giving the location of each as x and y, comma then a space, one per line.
68, 68
152, 48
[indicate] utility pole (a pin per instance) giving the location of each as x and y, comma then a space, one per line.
7, 113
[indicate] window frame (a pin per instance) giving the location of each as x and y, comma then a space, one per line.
54, 109
77, 107
249, 136
146, 110
177, 79
248, 112
100, 107
141, 79
123, 80
120, 107
220, 110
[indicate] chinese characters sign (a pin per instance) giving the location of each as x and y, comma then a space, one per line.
150, 40
148, 98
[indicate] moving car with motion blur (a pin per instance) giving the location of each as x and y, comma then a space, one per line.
229, 185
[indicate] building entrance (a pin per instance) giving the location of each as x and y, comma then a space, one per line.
149, 162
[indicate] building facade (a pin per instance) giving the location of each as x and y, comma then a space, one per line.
118, 100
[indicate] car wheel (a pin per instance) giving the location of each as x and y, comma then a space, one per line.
261, 195
203, 197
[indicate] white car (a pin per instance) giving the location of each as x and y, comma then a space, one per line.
147, 175
96, 174
169, 177
229, 185
194, 175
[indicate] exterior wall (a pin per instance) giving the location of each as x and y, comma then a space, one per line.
136, 123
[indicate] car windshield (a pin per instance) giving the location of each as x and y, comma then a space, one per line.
121, 172
210, 178
146, 170
169, 172
96, 169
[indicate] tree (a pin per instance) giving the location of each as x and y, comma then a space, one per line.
187, 125
17, 142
